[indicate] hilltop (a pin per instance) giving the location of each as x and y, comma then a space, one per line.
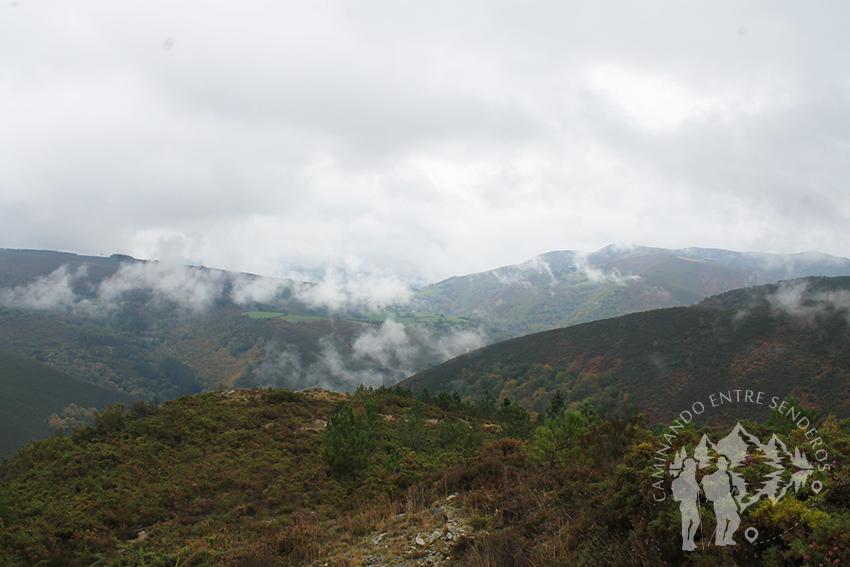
254, 477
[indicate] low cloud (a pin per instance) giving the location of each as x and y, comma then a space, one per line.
597, 275
355, 290
54, 292
257, 289
796, 299
519, 274
539, 265
193, 289
379, 356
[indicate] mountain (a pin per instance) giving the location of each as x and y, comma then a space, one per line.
783, 339
33, 391
563, 288
156, 331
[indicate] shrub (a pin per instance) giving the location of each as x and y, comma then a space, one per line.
349, 442
111, 419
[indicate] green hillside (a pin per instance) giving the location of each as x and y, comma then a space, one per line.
277, 478
31, 391
659, 360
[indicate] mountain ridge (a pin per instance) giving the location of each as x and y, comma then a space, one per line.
568, 287
755, 335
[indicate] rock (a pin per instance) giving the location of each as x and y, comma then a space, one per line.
143, 535
419, 541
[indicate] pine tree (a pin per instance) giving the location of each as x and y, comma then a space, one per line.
783, 422
556, 406
349, 443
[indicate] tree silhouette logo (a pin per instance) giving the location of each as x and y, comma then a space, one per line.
727, 489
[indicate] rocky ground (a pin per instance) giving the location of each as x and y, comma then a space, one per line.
434, 536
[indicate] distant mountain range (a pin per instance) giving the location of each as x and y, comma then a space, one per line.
154, 331
552, 290
787, 339
563, 288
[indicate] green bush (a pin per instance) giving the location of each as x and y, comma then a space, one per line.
348, 443
7, 517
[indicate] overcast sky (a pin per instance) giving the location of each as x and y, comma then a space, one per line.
426, 138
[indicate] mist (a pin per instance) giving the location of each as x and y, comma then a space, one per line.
597, 275
54, 292
355, 289
379, 356
196, 289
798, 300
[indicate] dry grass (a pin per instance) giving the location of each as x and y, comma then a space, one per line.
373, 516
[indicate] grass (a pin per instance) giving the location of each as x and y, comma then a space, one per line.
211, 479
414, 318
301, 318
431, 291
283, 316
410, 319
262, 314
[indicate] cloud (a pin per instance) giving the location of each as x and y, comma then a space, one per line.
389, 345
193, 289
520, 274
539, 265
382, 356
247, 290
438, 138
597, 275
54, 292
797, 300
356, 289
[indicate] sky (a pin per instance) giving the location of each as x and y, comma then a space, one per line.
421, 140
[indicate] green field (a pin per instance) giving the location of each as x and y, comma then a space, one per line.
262, 314
431, 291
414, 319
287, 318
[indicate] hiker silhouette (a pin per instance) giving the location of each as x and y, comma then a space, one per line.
686, 491
717, 488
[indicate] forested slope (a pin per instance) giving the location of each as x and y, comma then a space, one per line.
788, 339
